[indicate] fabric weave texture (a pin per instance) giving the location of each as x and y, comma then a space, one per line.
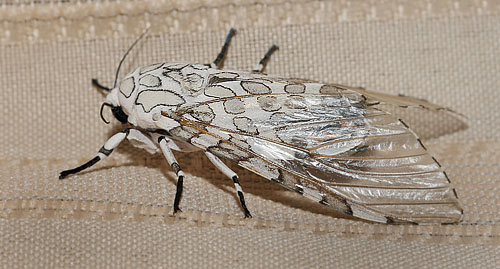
119, 213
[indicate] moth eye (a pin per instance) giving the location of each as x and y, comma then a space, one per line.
119, 114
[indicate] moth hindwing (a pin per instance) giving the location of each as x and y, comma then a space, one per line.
333, 144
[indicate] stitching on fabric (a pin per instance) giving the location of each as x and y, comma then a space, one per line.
62, 209
204, 222
149, 12
473, 10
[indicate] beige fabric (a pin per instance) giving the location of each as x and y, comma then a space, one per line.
119, 212
143, 244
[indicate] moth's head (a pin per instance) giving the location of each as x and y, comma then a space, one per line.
113, 102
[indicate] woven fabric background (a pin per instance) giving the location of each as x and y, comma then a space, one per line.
118, 213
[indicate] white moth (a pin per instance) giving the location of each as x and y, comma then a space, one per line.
333, 144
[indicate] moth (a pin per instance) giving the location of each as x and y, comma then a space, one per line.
331, 143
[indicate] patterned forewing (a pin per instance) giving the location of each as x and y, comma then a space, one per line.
325, 142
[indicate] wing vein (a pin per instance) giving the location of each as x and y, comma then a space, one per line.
353, 138
367, 158
414, 203
385, 187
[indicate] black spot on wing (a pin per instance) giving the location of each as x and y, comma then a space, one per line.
222, 77
295, 88
253, 87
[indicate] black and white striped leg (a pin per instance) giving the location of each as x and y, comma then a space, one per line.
169, 155
104, 152
259, 68
232, 175
220, 57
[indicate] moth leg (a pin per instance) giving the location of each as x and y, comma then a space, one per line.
217, 62
232, 175
100, 86
263, 62
104, 152
169, 155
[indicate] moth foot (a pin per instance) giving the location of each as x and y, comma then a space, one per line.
177, 209
247, 214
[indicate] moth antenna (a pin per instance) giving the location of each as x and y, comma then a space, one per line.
100, 86
126, 53
102, 108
